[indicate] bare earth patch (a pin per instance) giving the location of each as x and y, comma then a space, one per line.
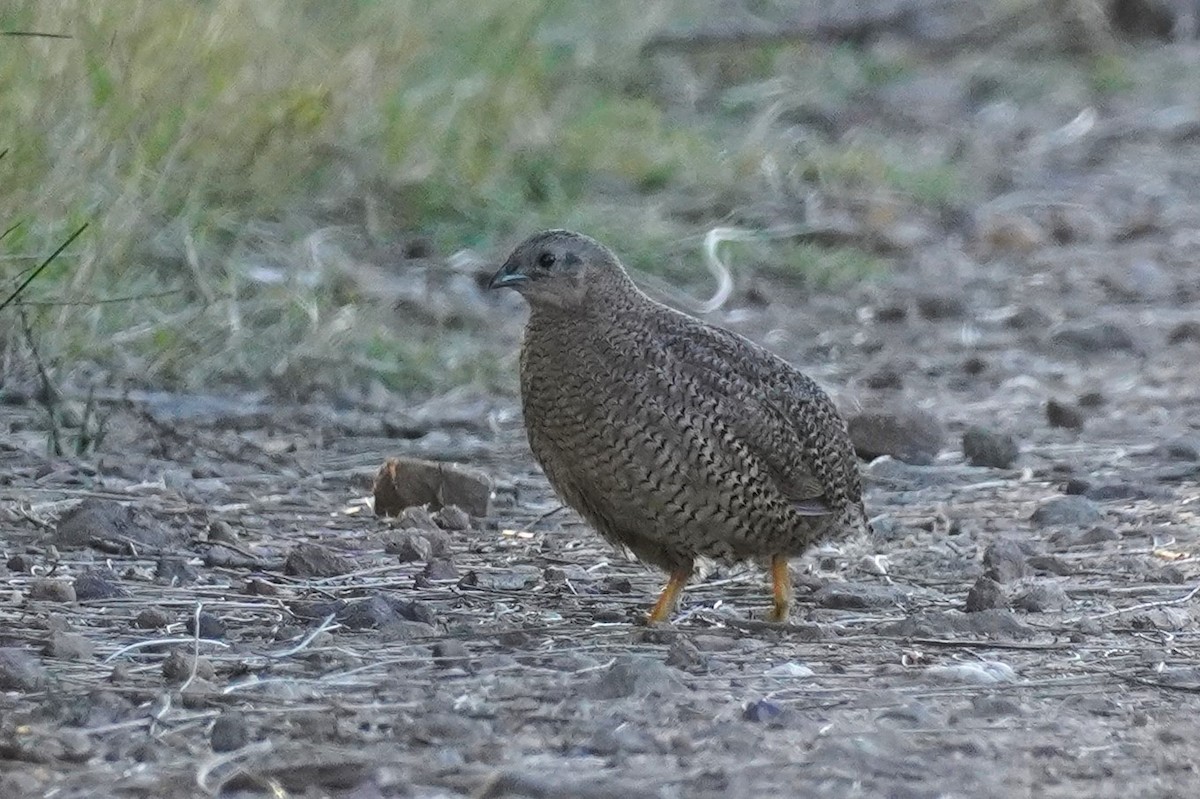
509, 660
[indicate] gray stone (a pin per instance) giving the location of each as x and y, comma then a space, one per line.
1184, 448
452, 517
180, 666
984, 447
857, 596
993, 624
69, 646
450, 653
1092, 338
93, 584
1042, 597
307, 559
151, 619
987, 672
1004, 561
635, 676
1067, 511
210, 625
417, 517
229, 732
986, 594
1183, 332
104, 520
910, 435
50, 590
1063, 414
21, 671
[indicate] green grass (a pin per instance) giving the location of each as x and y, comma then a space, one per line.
1109, 73
203, 141
860, 165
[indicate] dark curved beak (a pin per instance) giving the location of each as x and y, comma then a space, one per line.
507, 277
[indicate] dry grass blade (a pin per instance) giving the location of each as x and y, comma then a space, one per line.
153, 295
1151, 605
38, 34
49, 260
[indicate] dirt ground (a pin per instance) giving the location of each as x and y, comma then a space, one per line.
502, 655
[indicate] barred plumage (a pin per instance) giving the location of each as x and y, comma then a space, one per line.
671, 437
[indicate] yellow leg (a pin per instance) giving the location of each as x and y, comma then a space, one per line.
781, 588
669, 597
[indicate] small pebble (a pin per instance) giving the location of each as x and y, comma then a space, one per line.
229, 732
685, 655
908, 434
178, 667
21, 671
985, 672
631, 675
936, 306
313, 560
1065, 415
1184, 331
174, 571
986, 594
69, 646
452, 517
221, 532
450, 653
91, 584
409, 546
1093, 338
151, 619
1004, 561
790, 669
50, 590
1064, 511
441, 569
1042, 598
761, 710
416, 517
857, 596
211, 626
984, 447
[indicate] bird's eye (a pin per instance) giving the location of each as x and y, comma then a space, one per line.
546, 260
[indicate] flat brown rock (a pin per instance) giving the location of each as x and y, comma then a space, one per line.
404, 482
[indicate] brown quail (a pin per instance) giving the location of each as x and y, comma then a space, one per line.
673, 438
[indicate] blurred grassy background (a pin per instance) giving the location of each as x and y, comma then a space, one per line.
217, 148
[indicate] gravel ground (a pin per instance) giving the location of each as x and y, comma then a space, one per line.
209, 605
